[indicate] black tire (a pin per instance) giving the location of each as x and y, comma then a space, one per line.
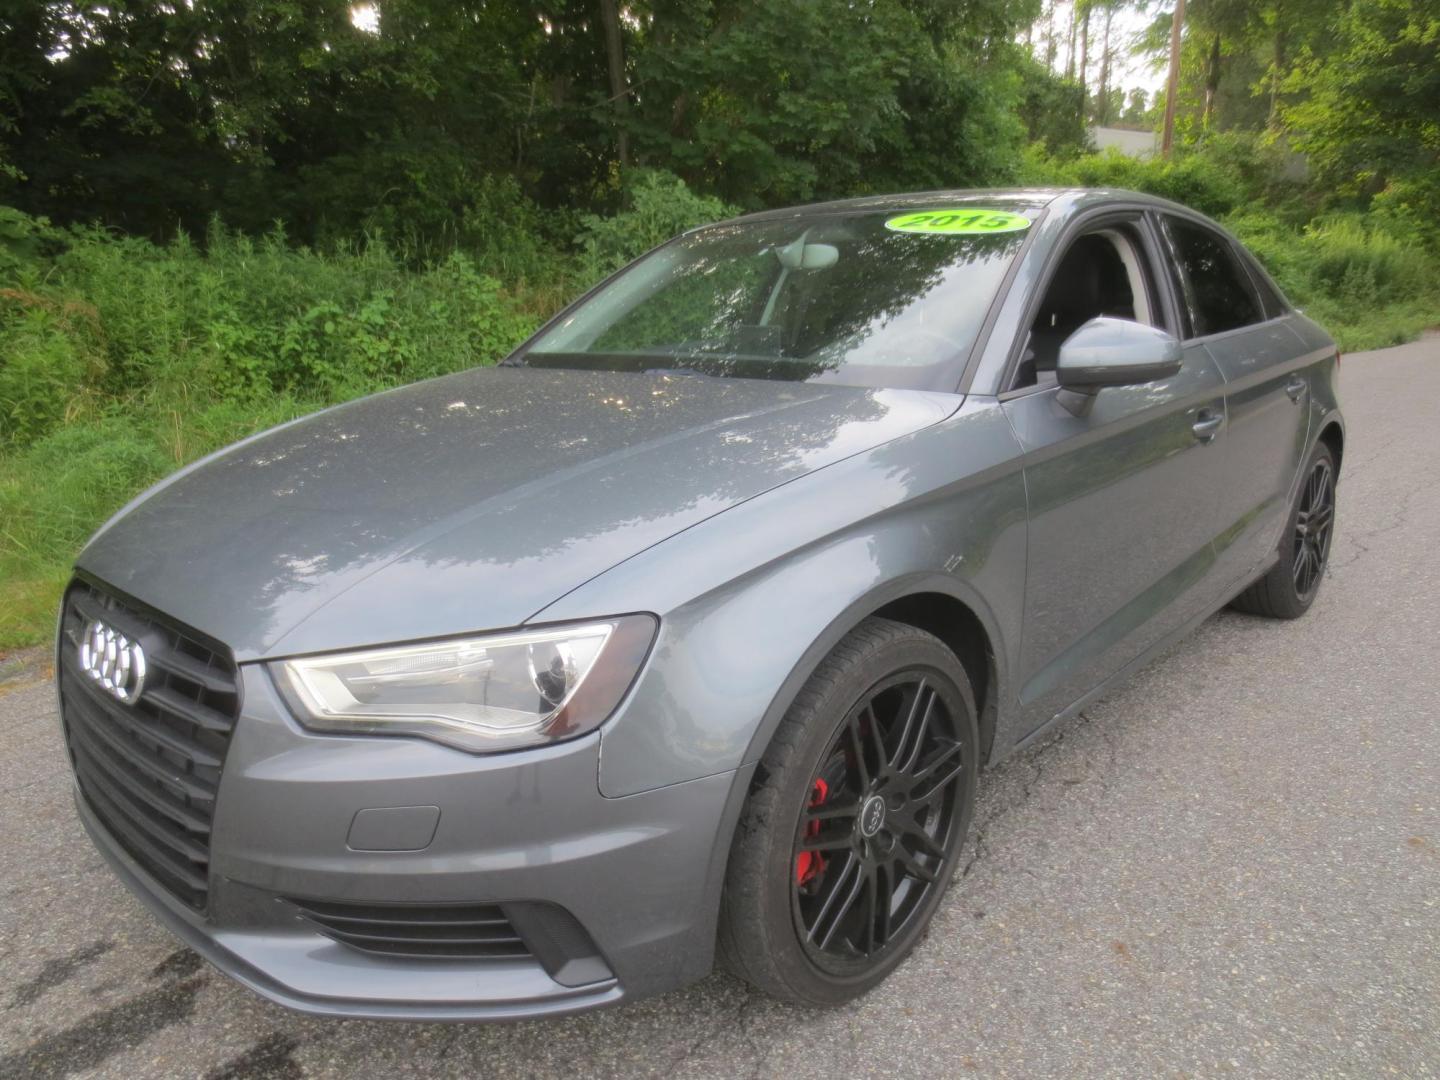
1290, 586
888, 715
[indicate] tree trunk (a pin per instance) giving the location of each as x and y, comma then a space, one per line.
619, 92
1172, 81
1212, 82
1070, 49
1084, 57
1104, 110
1278, 67
1051, 49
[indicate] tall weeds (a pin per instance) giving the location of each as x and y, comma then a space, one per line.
121, 360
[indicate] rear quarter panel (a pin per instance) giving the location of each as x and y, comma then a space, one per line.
1322, 367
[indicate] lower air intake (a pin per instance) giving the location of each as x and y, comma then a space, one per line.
430, 931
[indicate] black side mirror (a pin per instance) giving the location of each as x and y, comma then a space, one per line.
1115, 352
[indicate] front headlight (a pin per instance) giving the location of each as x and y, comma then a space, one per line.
485, 693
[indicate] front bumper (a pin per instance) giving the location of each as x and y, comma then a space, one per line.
640, 875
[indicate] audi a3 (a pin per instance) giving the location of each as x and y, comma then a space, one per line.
687, 630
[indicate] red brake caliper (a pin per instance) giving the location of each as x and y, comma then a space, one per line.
810, 864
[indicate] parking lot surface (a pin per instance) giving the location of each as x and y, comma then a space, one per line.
1228, 867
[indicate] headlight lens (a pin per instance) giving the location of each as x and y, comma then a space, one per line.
486, 693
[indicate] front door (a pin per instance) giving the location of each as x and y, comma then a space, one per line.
1122, 500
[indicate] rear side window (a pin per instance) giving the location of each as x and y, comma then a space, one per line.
1218, 290
1274, 303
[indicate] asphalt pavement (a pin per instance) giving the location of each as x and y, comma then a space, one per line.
1228, 867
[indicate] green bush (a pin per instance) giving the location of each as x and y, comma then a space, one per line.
49, 363
1191, 179
1409, 207
1363, 264
121, 360
60, 488
52, 496
1366, 285
657, 206
1227, 173
244, 319
1370, 278
511, 238
23, 239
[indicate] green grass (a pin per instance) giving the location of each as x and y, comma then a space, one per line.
1356, 329
123, 360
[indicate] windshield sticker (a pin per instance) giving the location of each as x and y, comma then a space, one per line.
959, 222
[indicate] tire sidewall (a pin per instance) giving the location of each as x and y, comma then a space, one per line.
1298, 603
799, 972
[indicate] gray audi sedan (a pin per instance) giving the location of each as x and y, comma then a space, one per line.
687, 630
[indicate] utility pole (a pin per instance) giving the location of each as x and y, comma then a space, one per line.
1172, 83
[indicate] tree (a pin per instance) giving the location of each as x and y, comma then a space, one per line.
1051, 110
1235, 57
1104, 107
766, 101
1369, 118
1136, 111
1172, 80
615, 64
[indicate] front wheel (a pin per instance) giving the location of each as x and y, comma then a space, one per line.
854, 824
1291, 585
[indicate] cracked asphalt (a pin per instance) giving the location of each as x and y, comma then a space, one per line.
1229, 866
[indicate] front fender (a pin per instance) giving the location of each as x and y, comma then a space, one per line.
908, 585
751, 600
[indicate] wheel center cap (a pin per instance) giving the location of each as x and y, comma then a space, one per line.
872, 816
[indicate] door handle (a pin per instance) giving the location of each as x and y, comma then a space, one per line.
1207, 424
1295, 387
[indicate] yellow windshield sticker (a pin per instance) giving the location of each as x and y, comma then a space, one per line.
962, 221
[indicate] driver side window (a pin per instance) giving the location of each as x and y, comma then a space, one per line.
1102, 273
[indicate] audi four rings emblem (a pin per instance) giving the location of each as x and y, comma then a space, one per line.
113, 661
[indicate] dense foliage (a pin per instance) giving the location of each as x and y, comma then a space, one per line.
1368, 277
217, 215
121, 359
152, 115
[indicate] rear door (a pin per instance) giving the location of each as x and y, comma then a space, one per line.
1246, 330
1122, 502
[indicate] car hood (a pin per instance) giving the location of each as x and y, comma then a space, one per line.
468, 502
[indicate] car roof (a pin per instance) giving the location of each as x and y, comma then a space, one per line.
1064, 200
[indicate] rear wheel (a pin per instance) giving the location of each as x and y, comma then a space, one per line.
1291, 585
855, 821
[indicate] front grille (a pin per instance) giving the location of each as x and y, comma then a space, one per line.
150, 770
429, 931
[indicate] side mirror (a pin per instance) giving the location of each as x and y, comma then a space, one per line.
1115, 352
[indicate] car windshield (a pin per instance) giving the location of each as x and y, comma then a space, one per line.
889, 299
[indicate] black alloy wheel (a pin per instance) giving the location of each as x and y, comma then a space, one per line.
1290, 586
873, 839
1313, 526
855, 818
